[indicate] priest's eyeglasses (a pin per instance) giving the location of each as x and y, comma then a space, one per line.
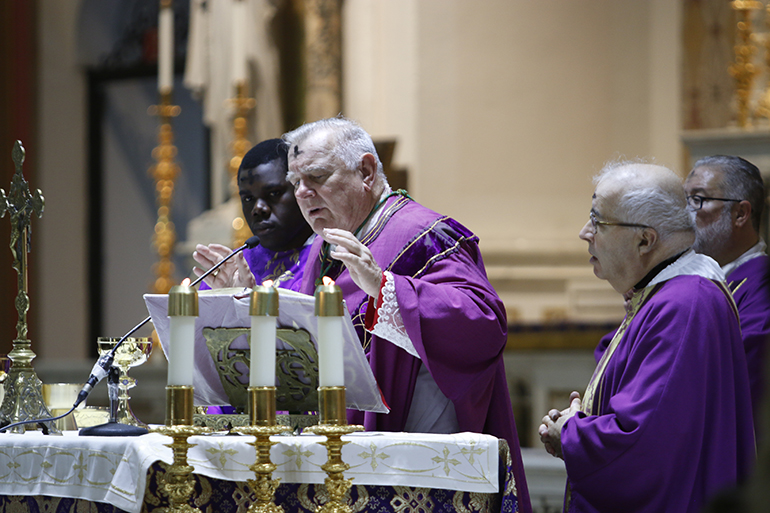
695, 201
595, 223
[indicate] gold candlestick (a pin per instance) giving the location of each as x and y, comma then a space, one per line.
262, 417
333, 425
763, 109
164, 172
23, 398
243, 104
178, 485
744, 71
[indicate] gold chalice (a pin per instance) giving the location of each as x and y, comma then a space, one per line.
133, 352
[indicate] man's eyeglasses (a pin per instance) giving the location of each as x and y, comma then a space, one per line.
696, 202
595, 223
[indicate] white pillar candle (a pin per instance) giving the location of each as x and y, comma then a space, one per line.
182, 311
329, 312
263, 312
239, 41
181, 350
165, 48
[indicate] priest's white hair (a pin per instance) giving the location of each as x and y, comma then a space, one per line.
648, 194
351, 141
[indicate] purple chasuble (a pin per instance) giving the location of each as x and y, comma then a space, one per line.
452, 315
673, 422
267, 264
750, 284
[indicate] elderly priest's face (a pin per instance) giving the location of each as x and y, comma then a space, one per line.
329, 194
612, 247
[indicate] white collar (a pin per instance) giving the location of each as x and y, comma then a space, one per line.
690, 263
754, 251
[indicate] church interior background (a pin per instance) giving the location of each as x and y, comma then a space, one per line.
496, 112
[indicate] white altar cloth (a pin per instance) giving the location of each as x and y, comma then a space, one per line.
114, 469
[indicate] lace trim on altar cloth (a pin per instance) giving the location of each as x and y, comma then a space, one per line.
390, 324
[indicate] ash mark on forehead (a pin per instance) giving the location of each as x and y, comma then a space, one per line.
297, 151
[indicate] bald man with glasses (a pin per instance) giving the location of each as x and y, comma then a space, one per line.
727, 195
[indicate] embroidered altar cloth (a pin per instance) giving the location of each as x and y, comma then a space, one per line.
114, 469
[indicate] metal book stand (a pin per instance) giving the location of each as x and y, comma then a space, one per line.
296, 373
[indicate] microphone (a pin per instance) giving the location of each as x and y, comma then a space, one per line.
102, 366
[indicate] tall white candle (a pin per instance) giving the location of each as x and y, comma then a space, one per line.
181, 351
239, 41
182, 311
166, 48
329, 312
331, 371
263, 312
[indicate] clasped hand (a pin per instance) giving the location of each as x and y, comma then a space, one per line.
550, 429
233, 273
357, 258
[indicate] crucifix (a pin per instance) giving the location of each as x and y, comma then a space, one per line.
23, 398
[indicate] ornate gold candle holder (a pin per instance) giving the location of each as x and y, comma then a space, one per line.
178, 484
333, 425
262, 417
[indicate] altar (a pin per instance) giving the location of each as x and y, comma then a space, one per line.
390, 472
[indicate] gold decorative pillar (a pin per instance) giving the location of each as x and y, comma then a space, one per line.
23, 398
763, 109
243, 104
323, 58
164, 172
744, 71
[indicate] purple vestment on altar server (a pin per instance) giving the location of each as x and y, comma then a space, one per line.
673, 424
267, 264
750, 284
452, 315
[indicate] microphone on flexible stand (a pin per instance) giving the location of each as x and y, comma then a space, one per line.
103, 365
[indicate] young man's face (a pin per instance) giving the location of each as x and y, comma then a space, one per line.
269, 207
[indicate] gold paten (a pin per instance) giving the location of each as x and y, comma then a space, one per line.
333, 425
262, 417
164, 172
744, 71
243, 104
23, 398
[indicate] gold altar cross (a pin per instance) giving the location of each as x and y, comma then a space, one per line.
23, 398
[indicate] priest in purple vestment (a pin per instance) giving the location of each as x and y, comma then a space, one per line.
665, 422
432, 326
271, 211
727, 194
